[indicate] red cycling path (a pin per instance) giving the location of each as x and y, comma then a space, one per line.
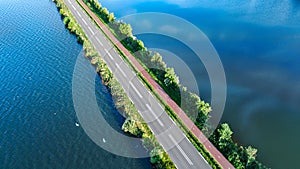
224, 163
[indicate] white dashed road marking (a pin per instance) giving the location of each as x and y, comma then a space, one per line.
121, 70
154, 115
134, 88
78, 13
91, 30
180, 149
109, 55
84, 21
99, 41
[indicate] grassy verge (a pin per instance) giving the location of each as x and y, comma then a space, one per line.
134, 124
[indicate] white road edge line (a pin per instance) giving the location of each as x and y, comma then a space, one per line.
99, 41
202, 157
69, 1
154, 115
91, 30
109, 55
136, 90
130, 99
180, 149
121, 70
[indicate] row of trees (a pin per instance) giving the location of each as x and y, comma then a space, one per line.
191, 103
134, 124
102, 12
195, 108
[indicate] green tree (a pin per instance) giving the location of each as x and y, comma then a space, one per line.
125, 30
104, 72
131, 127
160, 159
225, 138
111, 17
225, 132
170, 77
66, 20
251, 154
157, 62
105, 12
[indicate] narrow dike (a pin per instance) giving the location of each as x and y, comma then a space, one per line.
239, 156
134, 123
221, 140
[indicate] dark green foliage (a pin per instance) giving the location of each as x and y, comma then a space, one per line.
131, 43
131, 126
125, 30
66, 20
100, 11
195, 108
160, 159
239, 156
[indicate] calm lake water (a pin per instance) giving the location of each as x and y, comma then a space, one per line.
37, 117
258, 43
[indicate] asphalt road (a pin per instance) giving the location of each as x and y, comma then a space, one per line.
172, 139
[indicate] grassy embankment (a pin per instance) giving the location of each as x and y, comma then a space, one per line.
134, 123
239, 156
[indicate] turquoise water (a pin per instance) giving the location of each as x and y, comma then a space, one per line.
258, 43
37, 117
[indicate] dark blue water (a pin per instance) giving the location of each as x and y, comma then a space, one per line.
37, 117
258, 43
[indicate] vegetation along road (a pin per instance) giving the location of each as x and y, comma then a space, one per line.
170, 136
